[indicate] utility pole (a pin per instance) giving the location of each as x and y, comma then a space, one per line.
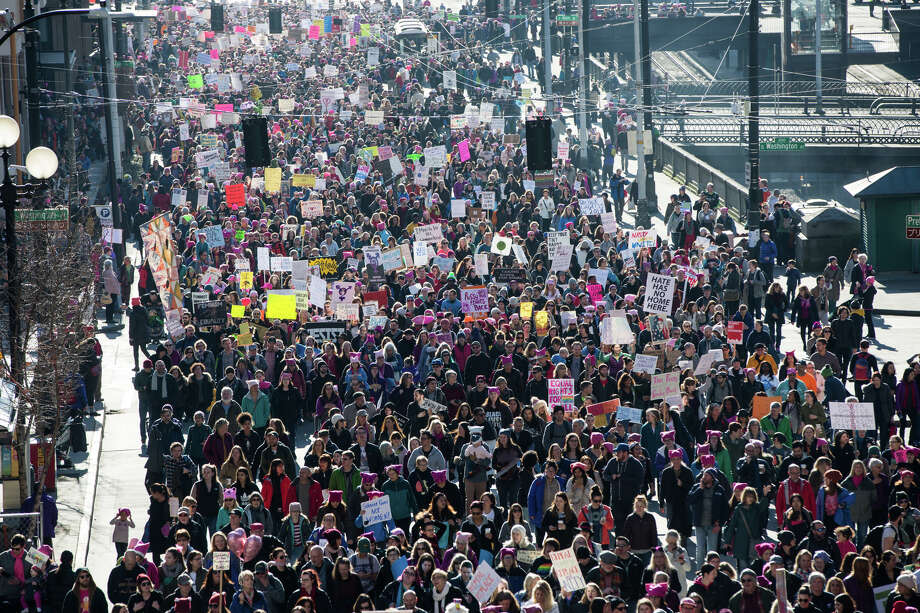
547, 60
754, 193
819, 103
582, 85
641, 203
644, 216
32, 37
112, 131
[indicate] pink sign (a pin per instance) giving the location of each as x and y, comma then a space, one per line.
215, 54
314, 32
208, 35
223, 108
239, 29
596, 291
464, 148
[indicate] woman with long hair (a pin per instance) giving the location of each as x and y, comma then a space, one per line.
559, 520
506, 459
344, 586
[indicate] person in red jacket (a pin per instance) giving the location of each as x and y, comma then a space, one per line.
307, 491
794, 485
275, 488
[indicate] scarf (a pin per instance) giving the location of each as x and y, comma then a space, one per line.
439, 598
162, 388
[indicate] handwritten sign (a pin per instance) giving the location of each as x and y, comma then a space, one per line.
474, 299
852, 416
376, 511
659, 294
220, 560
665, 385
562, 392
484, 582
734, 332
566, 569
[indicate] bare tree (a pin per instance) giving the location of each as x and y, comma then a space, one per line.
56, 297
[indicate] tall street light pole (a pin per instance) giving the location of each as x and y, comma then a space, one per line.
754, 193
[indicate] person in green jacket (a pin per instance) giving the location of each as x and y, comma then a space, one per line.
746, 526
402, 500
775, 421
256, 403
197, 435
347, 477
717, 448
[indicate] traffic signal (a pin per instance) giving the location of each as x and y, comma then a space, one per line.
274, 21
217, 17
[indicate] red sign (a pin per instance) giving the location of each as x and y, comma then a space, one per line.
734, 332
236, 195
601, 408
380, 297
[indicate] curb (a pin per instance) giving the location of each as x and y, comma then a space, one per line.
897, 312
89, 499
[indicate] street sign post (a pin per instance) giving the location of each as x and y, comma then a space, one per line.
42, 220
913, 226
566, 21
783, 143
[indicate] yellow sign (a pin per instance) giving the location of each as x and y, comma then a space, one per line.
526, 310
303, 181
542, 321
273, 180
256, 93
245, 279
244, 340
237, 311
281, 306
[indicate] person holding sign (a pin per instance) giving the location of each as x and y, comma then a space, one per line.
559, 520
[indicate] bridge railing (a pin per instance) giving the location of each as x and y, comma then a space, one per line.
826, 130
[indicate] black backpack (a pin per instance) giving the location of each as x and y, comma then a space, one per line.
874, 537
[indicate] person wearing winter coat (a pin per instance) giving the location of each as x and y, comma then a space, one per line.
84, 586
709, 507
403, 505
138, 330
624, 476
746, 526
676, 482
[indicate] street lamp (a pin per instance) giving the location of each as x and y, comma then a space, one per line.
41, 163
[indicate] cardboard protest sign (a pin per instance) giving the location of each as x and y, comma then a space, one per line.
659, 294
474, 300
567, 570
562, 392
484, 583
376, 511
852, 416
665, 385
760, 405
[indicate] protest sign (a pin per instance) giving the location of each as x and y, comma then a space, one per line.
642, 238
645, 363
430, 233
615, 329
567, 570
484, 583
281, 306
706, 362
760, 405
376, 511
592, 206
659, 294
609, 222
734, 332
36, 557
852, 416
666, 385
562, 392
220, 560
211, 313
214, 236
474, 300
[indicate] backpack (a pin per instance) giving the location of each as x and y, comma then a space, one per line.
860, 368
874, 537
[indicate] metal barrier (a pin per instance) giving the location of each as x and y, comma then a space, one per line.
695, 173
824, 130
27, 524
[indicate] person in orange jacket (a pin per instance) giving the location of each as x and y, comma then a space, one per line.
599, 516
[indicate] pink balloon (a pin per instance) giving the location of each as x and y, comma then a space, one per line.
235, 541
252, 547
